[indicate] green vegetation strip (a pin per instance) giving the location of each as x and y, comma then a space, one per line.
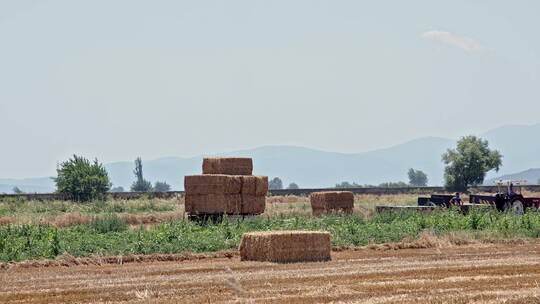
111, 236
19, 207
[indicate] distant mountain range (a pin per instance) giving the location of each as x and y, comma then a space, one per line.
40, 185
313, 168
532, 176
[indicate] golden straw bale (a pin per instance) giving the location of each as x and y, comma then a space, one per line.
328, 201
228, 165
213, 184
253, 204
256, 185
225, 203
285, 246
213, 203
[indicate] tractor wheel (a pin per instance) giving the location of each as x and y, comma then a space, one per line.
517, 207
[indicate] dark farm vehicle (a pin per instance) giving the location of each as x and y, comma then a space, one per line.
439, 200
424, 204
507, 199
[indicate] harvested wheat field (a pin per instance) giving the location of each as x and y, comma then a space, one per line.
491, 273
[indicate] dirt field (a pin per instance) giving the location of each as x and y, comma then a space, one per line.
466, 274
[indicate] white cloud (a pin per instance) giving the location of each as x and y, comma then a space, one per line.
465, 43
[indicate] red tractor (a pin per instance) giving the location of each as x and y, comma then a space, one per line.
508, 200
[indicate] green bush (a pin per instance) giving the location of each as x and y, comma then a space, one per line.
81, 180
162, 186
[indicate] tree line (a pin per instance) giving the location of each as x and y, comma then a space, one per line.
417, 178
466, 165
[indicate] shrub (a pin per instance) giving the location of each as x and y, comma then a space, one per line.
81, 180
108, 223
275, 184
293, 186
162, 186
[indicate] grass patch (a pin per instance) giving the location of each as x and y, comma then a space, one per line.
109, 236
39, 209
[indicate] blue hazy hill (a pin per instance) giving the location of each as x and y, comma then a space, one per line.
314, 168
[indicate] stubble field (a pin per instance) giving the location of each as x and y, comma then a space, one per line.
63, 252
481, 273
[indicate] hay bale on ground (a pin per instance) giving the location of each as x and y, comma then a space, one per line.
331, 201
285, 246
228, 165
213, 184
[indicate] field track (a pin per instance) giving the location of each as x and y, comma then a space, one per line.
465, 274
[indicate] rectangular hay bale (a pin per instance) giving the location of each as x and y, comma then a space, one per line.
213, 203
253, 204
228, 165
224, 203
328, 201
226, 184
213, 184
256, 185
285, 246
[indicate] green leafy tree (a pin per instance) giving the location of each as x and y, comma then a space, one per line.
275, 184
348, 185
82, 180
417, 178
393, 185
162, 186
468, 163
140, 184
293, 186
16, 190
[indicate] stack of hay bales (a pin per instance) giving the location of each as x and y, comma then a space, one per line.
226, 187
285, 246
331, 201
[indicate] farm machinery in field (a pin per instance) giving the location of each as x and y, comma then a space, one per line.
509, 198
506, 199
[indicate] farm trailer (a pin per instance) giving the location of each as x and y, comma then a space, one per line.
504, 200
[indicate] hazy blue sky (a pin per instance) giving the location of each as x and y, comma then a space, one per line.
120, 79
